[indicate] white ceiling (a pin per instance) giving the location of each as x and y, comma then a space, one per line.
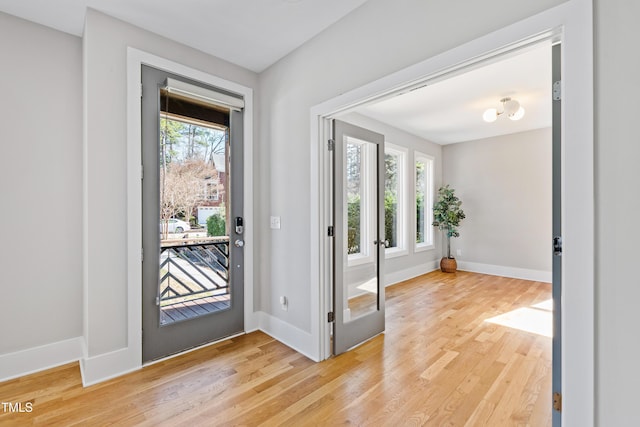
450, 110
251, 33
257, 33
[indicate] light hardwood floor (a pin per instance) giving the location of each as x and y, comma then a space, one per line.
439, 363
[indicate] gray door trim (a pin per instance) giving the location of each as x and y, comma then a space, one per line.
349, 334
236, 185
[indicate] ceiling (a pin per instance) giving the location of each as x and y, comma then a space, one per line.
251, 33
257, 33
450, 110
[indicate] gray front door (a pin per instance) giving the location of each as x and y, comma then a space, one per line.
358, 193
192, 226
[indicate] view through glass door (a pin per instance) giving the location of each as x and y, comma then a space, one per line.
192, 214
358, 160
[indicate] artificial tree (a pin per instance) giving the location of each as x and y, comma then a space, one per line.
447, 215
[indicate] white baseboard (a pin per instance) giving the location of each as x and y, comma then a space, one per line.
106, 366
288, 335
116, 363
474, 267
498, 270
25, 362
410, 273
109, 365
251, 320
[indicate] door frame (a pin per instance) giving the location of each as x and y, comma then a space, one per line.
571, 22
135, 59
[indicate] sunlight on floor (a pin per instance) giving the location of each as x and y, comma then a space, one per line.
370, 285
537, 319
544, 305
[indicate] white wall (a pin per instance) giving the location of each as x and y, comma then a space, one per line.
407, 266
617, 211
40, 187
505, 187
105, 201
390, 35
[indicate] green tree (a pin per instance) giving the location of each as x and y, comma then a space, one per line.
391, 200
171, 132
447, 214
216, 225
390, 218
353, 224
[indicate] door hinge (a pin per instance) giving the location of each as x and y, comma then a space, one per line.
331, 144
557, 90
141, 171
557, 245
157, 300
330, 231
557, 401
141, 254
330, 317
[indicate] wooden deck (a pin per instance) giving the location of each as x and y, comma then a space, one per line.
440, 362
195, 308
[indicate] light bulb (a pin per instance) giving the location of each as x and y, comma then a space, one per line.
490, 115
518, 114
511, 106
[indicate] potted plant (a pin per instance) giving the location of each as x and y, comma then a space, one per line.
447, 215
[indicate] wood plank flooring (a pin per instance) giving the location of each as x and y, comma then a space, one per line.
439, 363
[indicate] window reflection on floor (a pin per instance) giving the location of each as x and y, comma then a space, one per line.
536, 319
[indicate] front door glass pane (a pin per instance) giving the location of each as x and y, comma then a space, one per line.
194, 232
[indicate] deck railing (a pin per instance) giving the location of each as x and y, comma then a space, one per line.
193, 268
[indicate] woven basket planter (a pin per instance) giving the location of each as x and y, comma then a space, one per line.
448, 265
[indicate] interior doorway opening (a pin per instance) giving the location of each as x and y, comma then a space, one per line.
341, 113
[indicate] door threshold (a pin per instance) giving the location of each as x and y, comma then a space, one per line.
189, 350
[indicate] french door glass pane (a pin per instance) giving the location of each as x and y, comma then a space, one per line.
354, 190
360, 262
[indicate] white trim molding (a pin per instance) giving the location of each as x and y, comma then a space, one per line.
402, 201
35, 359
288, 335
504, 271
474, 267
429, 190
110, 365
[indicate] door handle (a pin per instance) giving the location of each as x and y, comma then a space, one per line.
239, 243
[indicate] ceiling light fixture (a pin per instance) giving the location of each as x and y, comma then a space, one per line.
510, 107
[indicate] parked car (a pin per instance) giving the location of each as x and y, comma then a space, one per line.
175, 225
